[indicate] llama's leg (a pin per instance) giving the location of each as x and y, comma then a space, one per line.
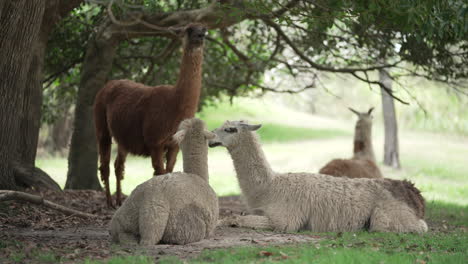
152, 222
396, 217
157, 159
104, 146
171, 157
119, 166
247, 221
104, 157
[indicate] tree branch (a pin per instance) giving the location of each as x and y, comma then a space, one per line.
283, 35
390, 92
22, 196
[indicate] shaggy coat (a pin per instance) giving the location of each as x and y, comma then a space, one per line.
362, 165
142, 119
176, 208
306, 201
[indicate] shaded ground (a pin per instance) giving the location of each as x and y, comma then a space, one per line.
30, 233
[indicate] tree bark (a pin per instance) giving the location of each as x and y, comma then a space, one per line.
20, 22
60, 133
83, 155
25, 27
391, 152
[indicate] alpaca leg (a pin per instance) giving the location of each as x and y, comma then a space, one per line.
396, 217
128, 239
171, 157
247, 221
104, 153
158, 160
119, 166
152, 222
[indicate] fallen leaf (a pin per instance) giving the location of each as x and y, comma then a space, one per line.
265, 253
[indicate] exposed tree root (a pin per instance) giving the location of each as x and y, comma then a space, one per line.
33, 177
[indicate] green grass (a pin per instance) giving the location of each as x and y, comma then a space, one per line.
280, 133
442, 246
360, 247
123, 260
447, 213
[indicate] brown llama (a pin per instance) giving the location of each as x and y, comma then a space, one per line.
362, 165
142, 119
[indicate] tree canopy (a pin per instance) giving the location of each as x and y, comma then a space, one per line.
419, 37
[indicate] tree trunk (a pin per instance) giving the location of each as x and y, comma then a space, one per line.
60, 133
20, 22
83, 155
391, 153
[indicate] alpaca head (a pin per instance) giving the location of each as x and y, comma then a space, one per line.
365, 118
230, 133
194, 35
192, 131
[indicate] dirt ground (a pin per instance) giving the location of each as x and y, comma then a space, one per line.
39, 229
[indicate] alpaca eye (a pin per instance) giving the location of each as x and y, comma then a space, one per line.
230, 130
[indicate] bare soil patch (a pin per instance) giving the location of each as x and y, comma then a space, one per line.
27, 231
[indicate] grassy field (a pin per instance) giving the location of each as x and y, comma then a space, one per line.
436, 163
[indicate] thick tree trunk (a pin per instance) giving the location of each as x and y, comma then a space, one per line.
20, 22
83, 155
391, 153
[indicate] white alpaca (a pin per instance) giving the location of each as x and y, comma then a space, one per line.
175, 208
306, 201
362, 165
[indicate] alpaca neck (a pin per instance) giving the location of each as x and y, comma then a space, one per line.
363, 143
188, 86
196, 160
252, 169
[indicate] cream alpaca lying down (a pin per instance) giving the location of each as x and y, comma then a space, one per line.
175, 208
307, 201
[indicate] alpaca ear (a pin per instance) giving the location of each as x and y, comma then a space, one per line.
209, 135
354, 111
370, 110
179, 136
251, 127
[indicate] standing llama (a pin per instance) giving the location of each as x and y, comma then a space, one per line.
176, 208
306, 201
142, 119
362, 165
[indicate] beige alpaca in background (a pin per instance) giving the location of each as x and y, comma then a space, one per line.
175, 208
362, 165
307, 201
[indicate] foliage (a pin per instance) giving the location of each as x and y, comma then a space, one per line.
295, 37
65, 52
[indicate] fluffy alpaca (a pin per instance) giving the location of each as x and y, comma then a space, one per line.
306, 201
142, 119
362, 165
176, 208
